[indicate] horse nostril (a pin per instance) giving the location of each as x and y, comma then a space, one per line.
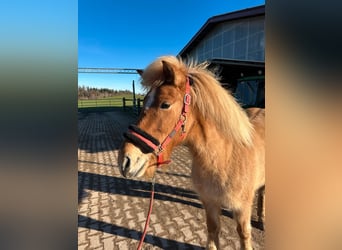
127, 162
125, 165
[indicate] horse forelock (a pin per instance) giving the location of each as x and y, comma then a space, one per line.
153, 76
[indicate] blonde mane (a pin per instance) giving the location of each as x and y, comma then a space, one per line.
212, 101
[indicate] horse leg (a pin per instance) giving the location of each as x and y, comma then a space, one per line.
261, 204
243, 219
213, 212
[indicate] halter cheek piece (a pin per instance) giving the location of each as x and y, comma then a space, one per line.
149, 144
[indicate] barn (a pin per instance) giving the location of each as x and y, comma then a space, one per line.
234, 44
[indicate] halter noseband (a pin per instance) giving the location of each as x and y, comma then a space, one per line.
148, 143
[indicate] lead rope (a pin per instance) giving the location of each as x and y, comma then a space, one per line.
148, 215
159, 163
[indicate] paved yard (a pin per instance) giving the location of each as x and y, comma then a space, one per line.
112, 209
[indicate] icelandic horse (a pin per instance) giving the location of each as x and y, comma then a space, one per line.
186, 105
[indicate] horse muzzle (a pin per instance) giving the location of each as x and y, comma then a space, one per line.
136, 152
132, 162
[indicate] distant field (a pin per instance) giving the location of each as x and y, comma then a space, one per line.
116, 101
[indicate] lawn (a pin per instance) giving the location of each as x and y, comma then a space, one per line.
116, 101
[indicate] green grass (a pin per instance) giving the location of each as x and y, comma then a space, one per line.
115, 101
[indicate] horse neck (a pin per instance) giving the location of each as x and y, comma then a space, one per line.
205, 141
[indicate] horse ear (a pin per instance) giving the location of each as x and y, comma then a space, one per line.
169, 74
140, 71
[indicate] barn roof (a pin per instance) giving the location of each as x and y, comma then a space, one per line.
213, 21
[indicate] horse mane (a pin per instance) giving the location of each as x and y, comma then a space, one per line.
213, 102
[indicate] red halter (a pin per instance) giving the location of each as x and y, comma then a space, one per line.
150, 143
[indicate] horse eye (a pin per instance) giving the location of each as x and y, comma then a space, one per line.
165, 105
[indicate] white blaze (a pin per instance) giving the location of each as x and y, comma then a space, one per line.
150, 99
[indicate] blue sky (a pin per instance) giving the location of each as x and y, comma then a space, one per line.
133, 33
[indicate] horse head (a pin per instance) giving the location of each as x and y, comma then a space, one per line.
163, 121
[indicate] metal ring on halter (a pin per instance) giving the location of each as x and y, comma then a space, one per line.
187, 99
184, 118
160, 150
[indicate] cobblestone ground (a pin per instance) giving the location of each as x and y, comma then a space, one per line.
112, 210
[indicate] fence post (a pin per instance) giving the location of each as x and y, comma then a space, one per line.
134, 100
138, 105
124, 103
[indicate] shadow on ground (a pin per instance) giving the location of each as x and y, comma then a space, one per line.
163, 243
138, 188
103, 131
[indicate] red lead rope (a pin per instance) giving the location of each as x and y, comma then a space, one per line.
159, 162
159, 153
148, 217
